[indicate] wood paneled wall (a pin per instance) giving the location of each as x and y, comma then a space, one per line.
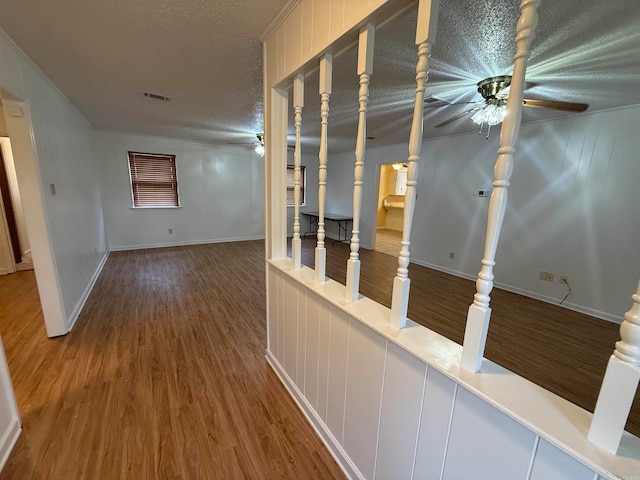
392, 407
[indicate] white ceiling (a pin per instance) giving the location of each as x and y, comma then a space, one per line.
207, 56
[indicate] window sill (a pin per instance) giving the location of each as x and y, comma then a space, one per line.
155, 208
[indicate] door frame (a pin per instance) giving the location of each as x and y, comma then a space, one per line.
19, 125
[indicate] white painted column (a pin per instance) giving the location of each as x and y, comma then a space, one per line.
326, 66
365, 69
475, 335
425, 38
298, 103
620, 383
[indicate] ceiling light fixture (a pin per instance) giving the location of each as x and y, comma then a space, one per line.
259, 149
491, 113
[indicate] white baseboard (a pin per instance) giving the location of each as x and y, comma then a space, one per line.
8, 440
509, 288
335, 449
85, 295
121, 248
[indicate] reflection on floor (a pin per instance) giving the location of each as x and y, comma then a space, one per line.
388, 241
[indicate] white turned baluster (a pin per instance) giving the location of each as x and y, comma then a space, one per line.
620, 383
298, 103
425, 38
365, 69
479, 313
325, 92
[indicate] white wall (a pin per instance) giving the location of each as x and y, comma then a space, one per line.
573, 207
221, 192
310, 162
72, 218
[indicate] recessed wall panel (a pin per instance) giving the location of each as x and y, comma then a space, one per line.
439, 394
290, 327
321, 21
365, 370
552, 464
302, 331
484, 443
273, 311
324, 329
404, 382
337, 376
311, 364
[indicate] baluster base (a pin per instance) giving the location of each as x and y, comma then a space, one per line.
296, 253
399, 302
614, 404
321, 264
353, 280
475, 338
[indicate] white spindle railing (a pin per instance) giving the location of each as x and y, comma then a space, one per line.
298, 103
479, 312
326, 68
365, 69
425, 38
620, 383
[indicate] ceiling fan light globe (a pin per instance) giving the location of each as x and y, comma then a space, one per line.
260, 149
490, 114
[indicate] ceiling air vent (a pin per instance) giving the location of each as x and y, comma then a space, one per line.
157, 96
435, 101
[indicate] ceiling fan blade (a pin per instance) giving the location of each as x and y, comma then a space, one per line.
554, 104
456, 117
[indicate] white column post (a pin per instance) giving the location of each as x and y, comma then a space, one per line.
620, 383
475, 335
365, 69
298, 103
425, 38
326, 63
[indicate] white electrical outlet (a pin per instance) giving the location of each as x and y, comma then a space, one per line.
170, 231
542, 275
452, 254
550, 277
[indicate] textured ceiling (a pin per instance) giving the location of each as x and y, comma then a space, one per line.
585, 51
207, 56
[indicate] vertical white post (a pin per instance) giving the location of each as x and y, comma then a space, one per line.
326, 64
365, 69
425, 38
475, 335
619, 384
298, 103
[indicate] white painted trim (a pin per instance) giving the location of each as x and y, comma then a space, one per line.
8, 441
87, 291
336, 451
122, 248
543, 298
279, 19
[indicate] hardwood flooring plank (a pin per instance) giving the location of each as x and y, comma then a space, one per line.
164, 375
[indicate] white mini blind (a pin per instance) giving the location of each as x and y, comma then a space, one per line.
154, 182
291, 185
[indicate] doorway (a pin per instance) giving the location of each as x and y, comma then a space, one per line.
390, 208
14, 244
35, 250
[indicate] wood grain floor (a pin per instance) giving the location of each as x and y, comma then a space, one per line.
163, 377
563, 351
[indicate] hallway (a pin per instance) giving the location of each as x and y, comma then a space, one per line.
163, 376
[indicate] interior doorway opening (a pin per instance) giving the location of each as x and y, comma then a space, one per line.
392, 187
32, 232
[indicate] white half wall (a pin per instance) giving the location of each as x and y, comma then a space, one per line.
69, 224
572, 211
221, 191
393, 404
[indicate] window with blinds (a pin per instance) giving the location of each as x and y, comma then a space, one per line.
291, 185
154, 182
